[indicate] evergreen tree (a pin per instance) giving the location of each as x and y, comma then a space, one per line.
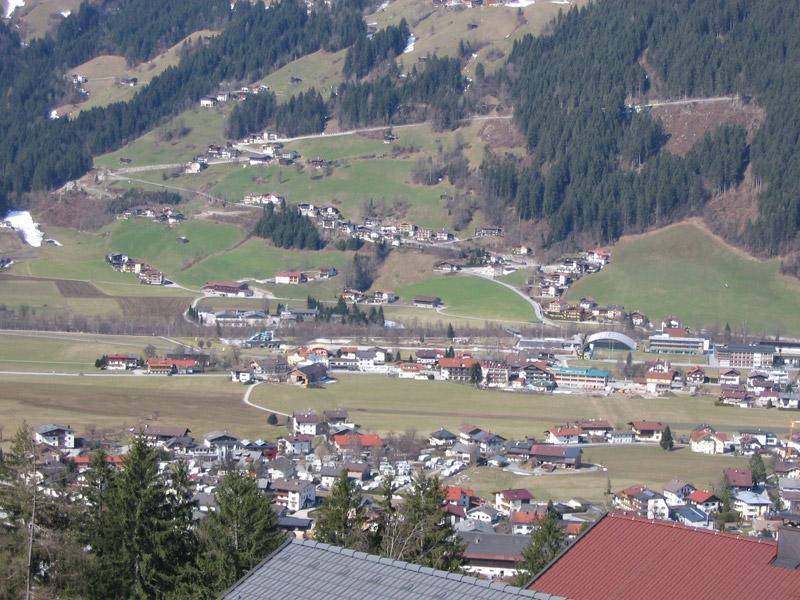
419, 531
758, 468
666, 439
450, 331
238, 535
546, 542
724, 492
140, 549
475, 374
341, 519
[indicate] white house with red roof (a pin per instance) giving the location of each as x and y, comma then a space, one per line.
306, 422
563, 435
704, 500
647, 431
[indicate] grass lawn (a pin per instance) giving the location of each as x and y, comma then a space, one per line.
203, 403
206, 127
256, 260
41, 16
320, 70
518, 278
384, 404
626, 465
383, 181
158, 244
686, 272
471, 296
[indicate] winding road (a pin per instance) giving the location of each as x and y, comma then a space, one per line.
537, 308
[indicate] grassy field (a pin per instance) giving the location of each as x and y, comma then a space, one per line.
320, 70
471, 296
624, 466
205, 127
686, 272
348, 187
203, 403
103, 74
518, 278
385, 404
41, 16
256, 260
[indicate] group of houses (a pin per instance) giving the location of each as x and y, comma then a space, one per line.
761, 388
165, 214
300, 277
148, 275
224, 96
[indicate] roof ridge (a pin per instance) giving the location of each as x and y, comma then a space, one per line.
407, 566
676, 525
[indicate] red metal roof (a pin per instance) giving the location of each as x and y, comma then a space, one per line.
456, 363
647, 425
516, 494
701, 497
354, 440
739, 477
630, 558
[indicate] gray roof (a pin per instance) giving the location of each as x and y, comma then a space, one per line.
308, 570
50, 427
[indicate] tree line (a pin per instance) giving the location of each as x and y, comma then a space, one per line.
302, 114
287, 228
605, 171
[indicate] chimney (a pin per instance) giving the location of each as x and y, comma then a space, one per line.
788, 547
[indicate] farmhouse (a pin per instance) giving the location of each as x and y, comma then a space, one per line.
428, 357
120, 362
446, 267
563, 435
170, 366
208, 102
306, 422
307, 375
559, 456
647, 431
492, 554
228, 288
427, 301
294, 494
508, 501
641, 501
290, 277
158, 435
58, 436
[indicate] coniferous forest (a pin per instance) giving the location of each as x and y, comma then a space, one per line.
604, 172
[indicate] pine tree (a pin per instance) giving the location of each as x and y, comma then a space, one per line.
238, 535
450, 331
341, 519
475, 374
420, 532
546, 542
758, 468
666, 439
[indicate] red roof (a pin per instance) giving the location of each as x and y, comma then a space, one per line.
701, 497
455, 363
453, 493
647, 425
565, 431
119, 357
739, 477
355, 440
675, 331
516, 494
526, 517
167, 363
85, 459
630, 558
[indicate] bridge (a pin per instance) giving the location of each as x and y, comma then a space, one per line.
609, 338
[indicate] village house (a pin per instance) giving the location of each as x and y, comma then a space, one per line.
647, 431
306, 375
296, 445
563, 435
294, 494
159, 435
676, 492
568, 457
120, 362
485, 513
220, 439
751, 504
58, 436
327, 272
151, 277
738, 479
696, 376
171, 366
705, 501
358, 444
621, 436
306, 422
428, 357
692, 516
511, 500
442, 437
708, 441
444, 266
657, 382
494, 373
349, 295
228, 288
290, 277
492, 555
642, 502
457, 369
599, 428
527, 519
208, 102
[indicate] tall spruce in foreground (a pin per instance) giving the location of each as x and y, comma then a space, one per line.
235, 538
141, 537
758, 468
419, 531
546, 542
341, 519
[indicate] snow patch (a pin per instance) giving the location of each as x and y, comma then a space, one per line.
522, 3
12, 5
412, 40
22, 222
383, 6
560, 2
66, 13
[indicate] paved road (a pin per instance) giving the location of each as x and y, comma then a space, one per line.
690, 101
